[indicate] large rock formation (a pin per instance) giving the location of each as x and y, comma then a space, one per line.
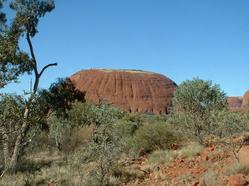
130, 90
239, 103
235, 103
245, 103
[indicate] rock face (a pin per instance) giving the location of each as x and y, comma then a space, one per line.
245, 103
239, 103
130, 90
235, 103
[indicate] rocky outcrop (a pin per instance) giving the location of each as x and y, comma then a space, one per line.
130, 90
245, 103
239, 103
235, 103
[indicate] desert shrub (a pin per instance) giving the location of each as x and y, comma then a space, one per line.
236, 168
127, 126
12, 108
189, 151
59, 97
103, 151
67, 137
151, 118
57, 129
161, 157
211, 178
229, 126
105, 145
128, 173
157, 136
81, 114
67, 133
199, 96
192, 104
164, 156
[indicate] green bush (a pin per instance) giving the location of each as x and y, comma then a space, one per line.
59, 97
65, 136
199, 96
127, 126
237, 168
82, 114
230, 128
227, 124
161, 157
193, 103
157, 136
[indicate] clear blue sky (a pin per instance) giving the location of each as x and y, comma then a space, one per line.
181, 39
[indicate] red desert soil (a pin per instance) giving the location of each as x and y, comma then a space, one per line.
244, 155
130, 90
212, 162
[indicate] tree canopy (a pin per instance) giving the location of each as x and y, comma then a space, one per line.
13, 60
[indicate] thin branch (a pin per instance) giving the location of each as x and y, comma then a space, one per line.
32, 53
45, 67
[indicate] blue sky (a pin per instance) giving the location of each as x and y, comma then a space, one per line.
181, 39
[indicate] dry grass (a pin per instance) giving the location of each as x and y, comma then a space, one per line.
165, 156
211, 178
236, 168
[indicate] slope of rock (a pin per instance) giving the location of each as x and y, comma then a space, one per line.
130, 90
235, 103
245, 103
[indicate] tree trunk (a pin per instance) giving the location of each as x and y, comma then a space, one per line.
6, 152
18, 144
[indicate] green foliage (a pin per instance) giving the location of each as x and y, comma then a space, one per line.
230, 126
164, 156
11, 114
59, 97
11, 109
127, 126
211, 178
236, 168
28, 13
161, 157
2, 16
11, 118
104, 113
199, 96
105, 144
193, 103
82, 114
14, 61
103, 150
157, 136
57, 128
227, 124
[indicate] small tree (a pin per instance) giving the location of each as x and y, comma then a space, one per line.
192, 103
105, 145
229, 127
14, 62
60, 96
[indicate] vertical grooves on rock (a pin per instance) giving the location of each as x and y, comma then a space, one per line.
130, 90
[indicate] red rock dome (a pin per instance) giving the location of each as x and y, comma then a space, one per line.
245, 103
130, 90
234, 103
